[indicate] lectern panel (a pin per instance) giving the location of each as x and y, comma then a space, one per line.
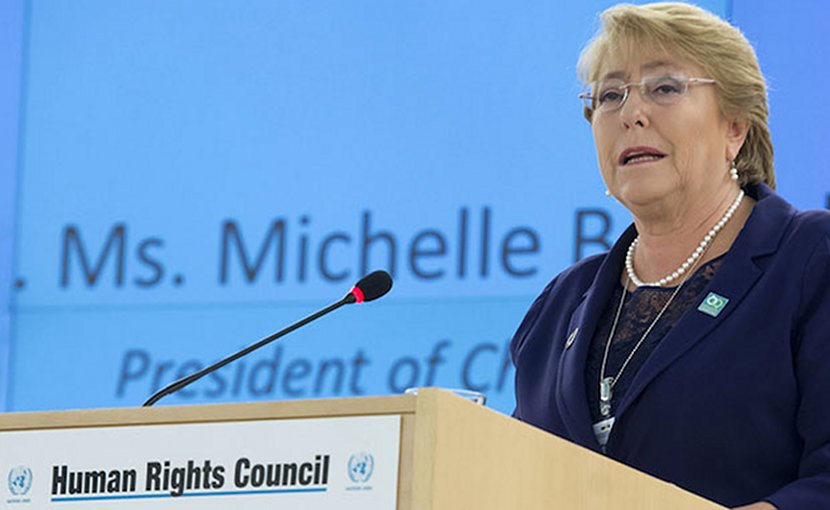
311, 463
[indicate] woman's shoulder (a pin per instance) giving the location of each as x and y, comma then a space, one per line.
791, 229
807, 235
803, 252
577, 277
811, 225
810, 234
564, 291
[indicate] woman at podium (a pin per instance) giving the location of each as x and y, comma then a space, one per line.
698, 348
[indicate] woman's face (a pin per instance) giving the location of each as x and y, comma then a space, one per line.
668, 154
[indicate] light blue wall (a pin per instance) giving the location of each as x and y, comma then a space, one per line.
11, 41
792, 44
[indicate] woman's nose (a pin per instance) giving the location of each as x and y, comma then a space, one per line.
635, 109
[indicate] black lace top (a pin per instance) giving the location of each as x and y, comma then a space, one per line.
640, 309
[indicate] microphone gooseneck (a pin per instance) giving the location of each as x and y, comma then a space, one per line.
369, 288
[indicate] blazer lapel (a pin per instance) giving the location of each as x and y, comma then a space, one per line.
734, 279
694, 325
571, 396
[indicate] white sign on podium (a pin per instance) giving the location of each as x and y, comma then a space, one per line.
313, 464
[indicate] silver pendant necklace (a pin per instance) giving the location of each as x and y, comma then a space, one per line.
606, 384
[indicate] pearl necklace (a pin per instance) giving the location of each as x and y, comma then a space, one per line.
701, 248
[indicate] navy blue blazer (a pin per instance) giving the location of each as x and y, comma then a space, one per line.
736, 407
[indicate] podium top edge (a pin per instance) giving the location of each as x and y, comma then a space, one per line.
205, 413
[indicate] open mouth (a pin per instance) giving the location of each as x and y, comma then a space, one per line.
636, 155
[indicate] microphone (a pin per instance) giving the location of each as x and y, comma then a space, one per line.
370, 287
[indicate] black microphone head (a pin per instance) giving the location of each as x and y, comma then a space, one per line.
371, 287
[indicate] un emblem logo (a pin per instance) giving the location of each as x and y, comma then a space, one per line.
20, 480
361, 466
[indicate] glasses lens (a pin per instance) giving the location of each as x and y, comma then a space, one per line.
665, 89
610, 95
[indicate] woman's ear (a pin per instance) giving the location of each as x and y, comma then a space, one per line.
736, 132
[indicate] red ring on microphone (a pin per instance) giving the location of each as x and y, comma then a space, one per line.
358, 294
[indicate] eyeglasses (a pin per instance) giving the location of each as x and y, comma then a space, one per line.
663, 90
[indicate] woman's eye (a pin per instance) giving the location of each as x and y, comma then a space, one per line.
665, 88
610, 96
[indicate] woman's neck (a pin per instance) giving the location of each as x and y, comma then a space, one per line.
669, 237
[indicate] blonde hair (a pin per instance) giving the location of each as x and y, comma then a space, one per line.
711, 43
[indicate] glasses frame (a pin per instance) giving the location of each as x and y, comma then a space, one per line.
589, 99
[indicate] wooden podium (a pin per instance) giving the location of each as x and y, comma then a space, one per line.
454, 454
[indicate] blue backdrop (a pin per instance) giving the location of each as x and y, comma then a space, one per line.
183, 178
